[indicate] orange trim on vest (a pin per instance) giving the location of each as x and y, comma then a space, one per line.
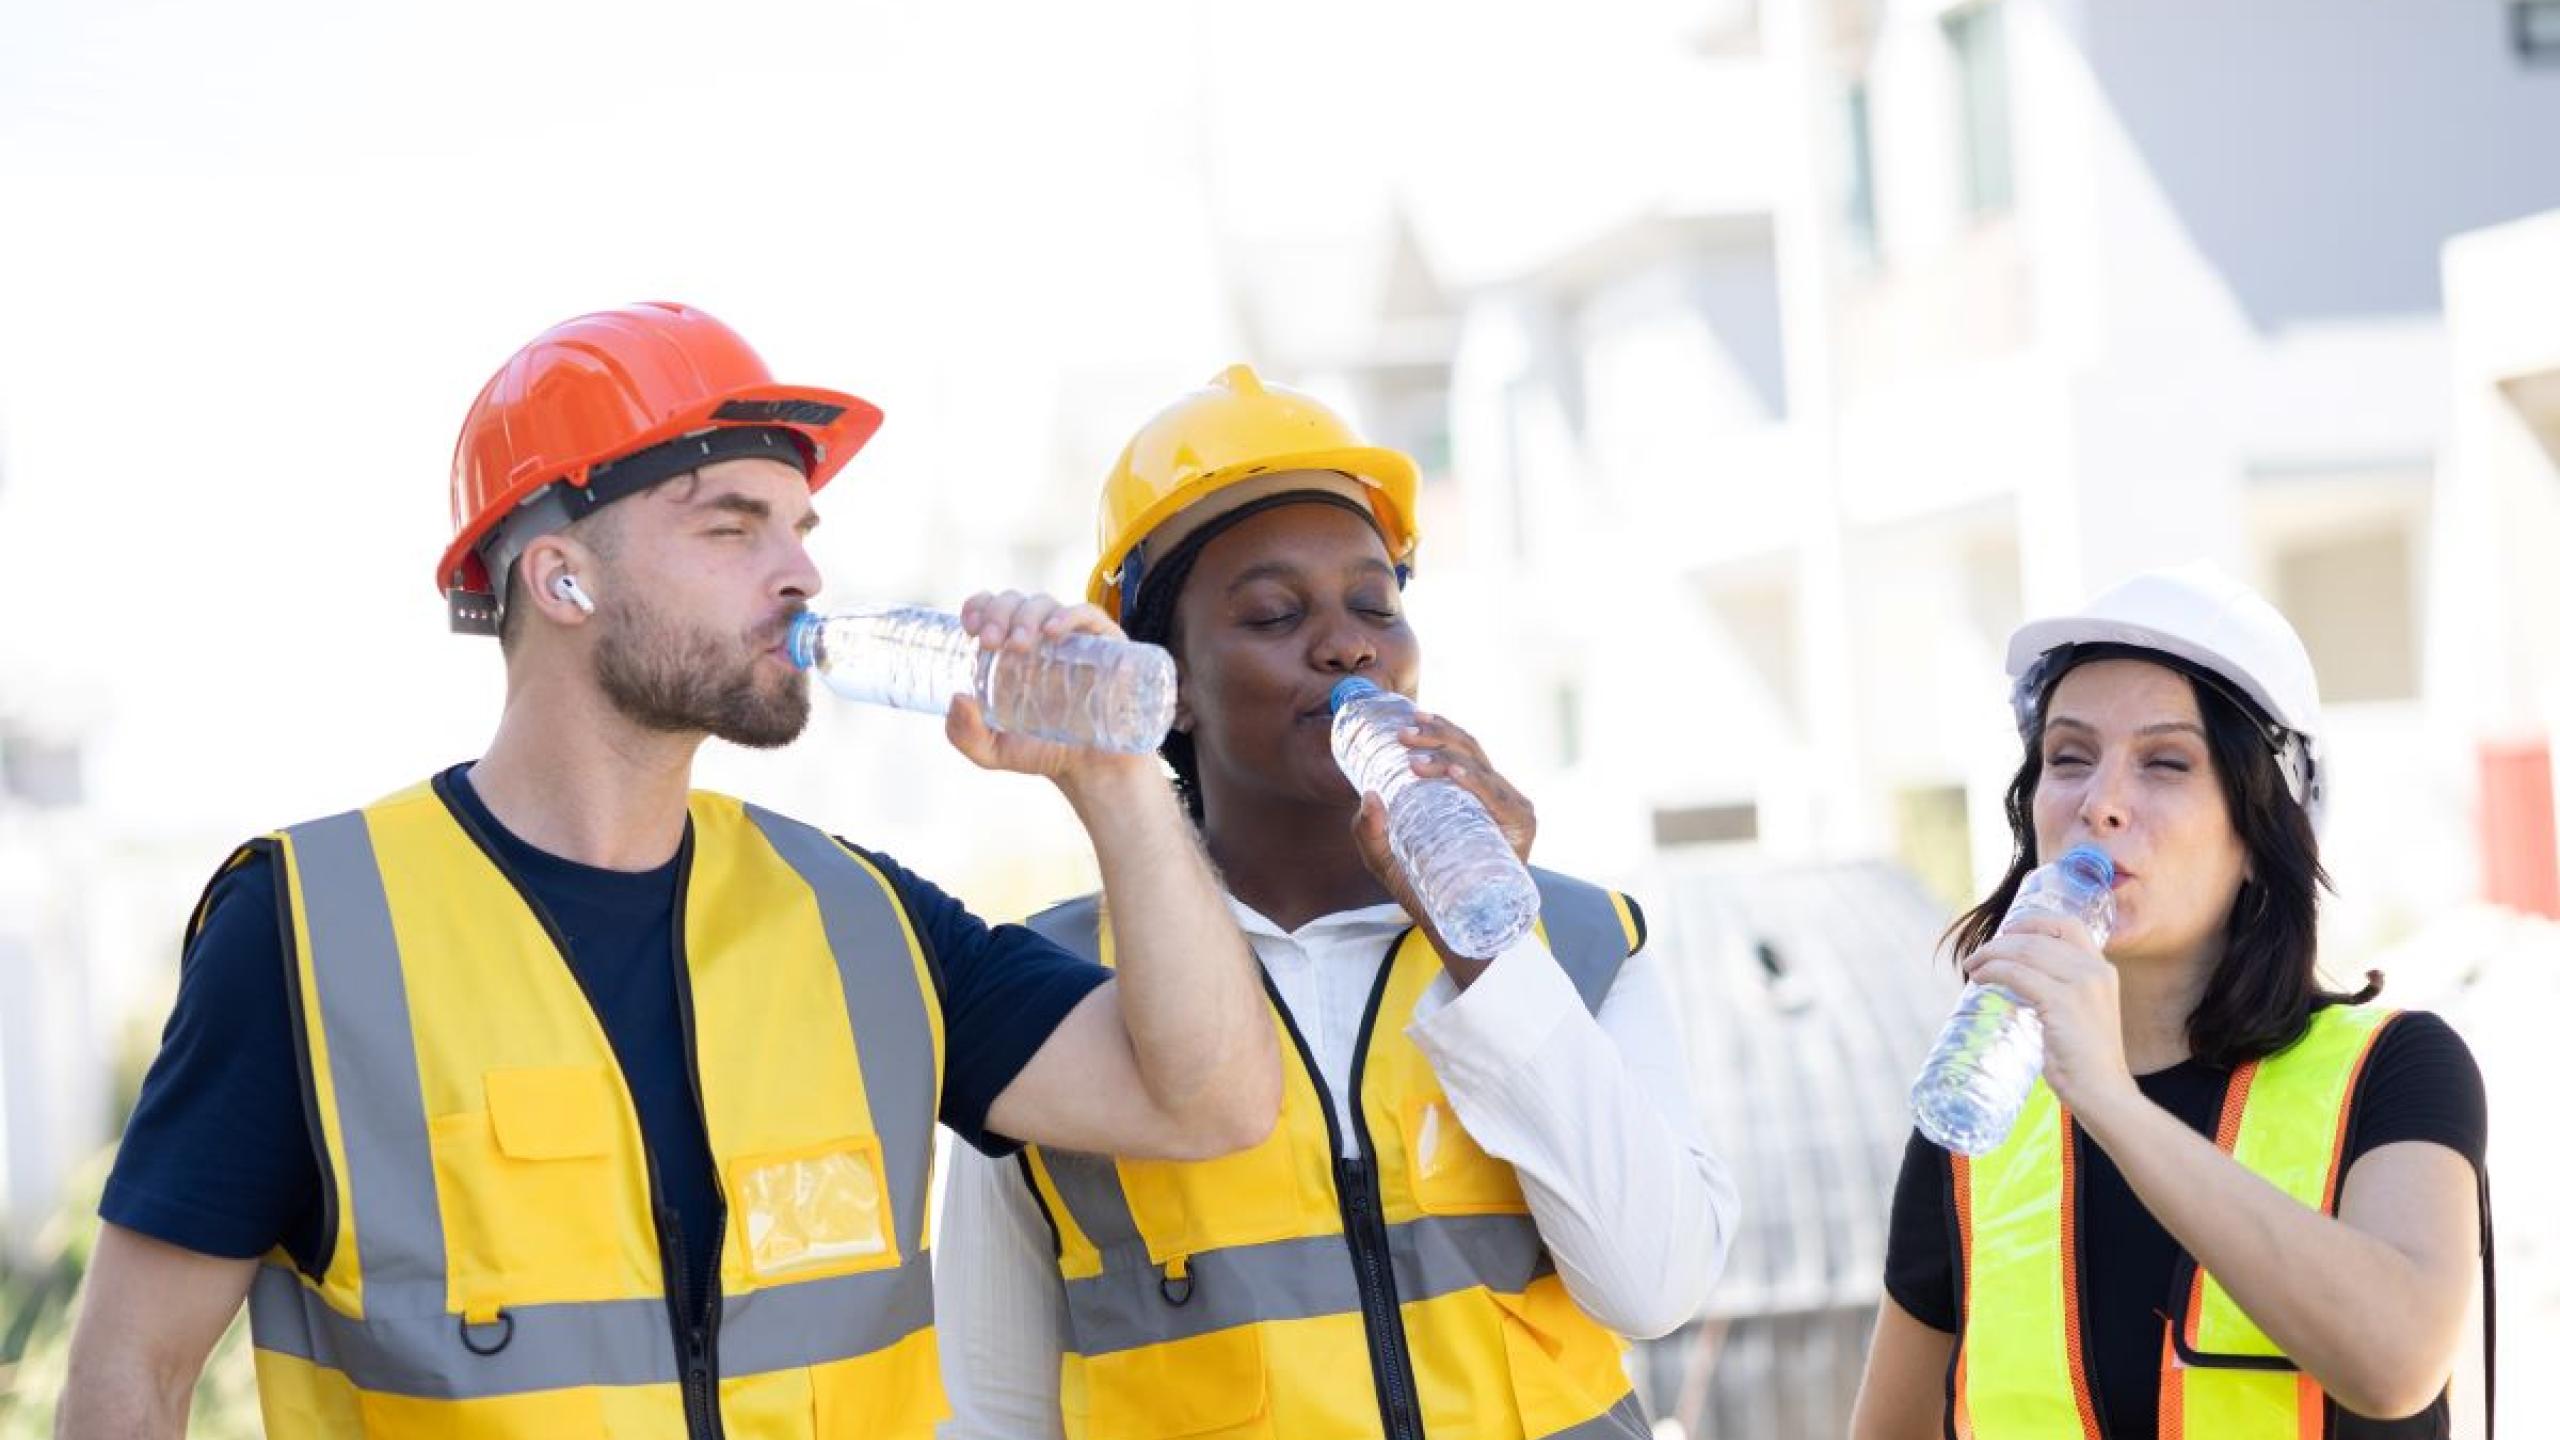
2173, 1396
2226, 1138
1962, 1168
2346, 1113
2311, 1406
2071, 1337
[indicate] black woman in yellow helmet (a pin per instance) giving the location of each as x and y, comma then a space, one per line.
1488, 1172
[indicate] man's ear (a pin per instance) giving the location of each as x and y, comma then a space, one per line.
559, 579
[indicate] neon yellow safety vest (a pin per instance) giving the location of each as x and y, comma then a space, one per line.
2019, 1371
1286, 1292
492, 1267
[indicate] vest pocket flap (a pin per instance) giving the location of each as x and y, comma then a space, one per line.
1206, 1387
1452, 1174
550, 1112
1565, 1369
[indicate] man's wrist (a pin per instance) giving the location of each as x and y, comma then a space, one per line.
1109, 784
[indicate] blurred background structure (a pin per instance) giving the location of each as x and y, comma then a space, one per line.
1767, 359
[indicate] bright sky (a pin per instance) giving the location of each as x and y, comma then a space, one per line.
259, 256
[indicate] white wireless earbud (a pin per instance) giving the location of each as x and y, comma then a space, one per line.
567, 588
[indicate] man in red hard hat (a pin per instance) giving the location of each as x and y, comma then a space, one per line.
553, 1097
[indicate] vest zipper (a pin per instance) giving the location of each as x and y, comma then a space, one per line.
1364, 1226
702, 1399
695, 1355
1366, 1229
693, 1350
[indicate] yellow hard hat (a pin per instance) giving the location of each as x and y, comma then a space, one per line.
1223, 436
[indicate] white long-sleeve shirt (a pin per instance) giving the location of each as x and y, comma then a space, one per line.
1594, 1112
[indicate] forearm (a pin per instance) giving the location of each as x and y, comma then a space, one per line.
1188, 993
1596, 1118
2354, 1311
106, 1399
1638, 1222
118, 1389
149, 1314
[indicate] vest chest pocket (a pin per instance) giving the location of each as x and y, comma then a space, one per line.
1185, 1207
1452, 1174
817, 1211
1207, 1387
1565, 1369
536, 1191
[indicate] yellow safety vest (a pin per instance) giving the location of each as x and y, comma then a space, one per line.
492, 1266
2019, 1371
1286, 1292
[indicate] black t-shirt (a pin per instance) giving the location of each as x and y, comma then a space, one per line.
219, 1160
2419, 1084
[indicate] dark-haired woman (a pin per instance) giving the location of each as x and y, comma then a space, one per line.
2238, 1207
1488, 1168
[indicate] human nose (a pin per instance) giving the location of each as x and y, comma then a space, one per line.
798, 579
1344, 647
2106, 802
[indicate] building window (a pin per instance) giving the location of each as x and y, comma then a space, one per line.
44, 774
2537, 30
1568, 713
1860, 202
1707, 825
1933, 836
2353, 598
1977, 37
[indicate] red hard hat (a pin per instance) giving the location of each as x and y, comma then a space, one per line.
602, 387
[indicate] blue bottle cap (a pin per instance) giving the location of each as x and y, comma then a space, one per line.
1347, 690
800, 647
2091, 858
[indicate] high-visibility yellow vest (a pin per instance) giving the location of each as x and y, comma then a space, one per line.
2019, 1365
492, 1267
1286, 1292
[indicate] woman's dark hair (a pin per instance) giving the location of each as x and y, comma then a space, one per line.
1151, 619
2260, 996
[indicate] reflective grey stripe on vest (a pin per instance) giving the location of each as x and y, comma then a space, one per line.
409, 1343
617, 1342
1088, 1184
373, 1066
1090, 1187
1584, 932
891, 1031
612, 1342
1124, 1308
1622, 1421
1075, 927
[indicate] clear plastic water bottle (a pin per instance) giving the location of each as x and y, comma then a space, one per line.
1466, 876
1084, 690
1986, 1061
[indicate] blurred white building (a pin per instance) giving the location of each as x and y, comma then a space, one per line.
1751, 454
1760, 450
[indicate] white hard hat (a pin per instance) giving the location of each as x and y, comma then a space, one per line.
2200, 615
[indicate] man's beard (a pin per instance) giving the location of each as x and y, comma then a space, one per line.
675, 680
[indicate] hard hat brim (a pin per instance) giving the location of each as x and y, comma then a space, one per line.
833, 440
2036, 639
1391, 478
